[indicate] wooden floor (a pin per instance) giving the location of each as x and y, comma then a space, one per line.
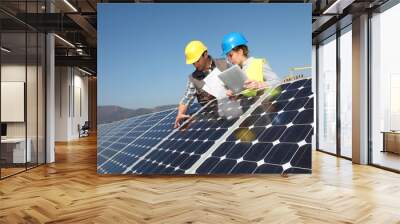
70, 191
10, 171
387, 159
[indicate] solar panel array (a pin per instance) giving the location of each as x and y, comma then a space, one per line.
274, 138
267, 133
132, 138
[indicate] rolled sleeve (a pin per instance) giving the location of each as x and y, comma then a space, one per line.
270, 77
190, 94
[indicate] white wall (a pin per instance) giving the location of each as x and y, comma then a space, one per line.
33, 126
70, 84
15, 73
61, 103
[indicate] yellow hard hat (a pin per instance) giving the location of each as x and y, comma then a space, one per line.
193, 51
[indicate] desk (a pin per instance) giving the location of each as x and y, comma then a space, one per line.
13, 150
391, 141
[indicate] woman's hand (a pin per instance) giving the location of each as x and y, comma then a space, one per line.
252, 84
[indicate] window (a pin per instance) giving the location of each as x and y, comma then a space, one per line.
346, 92
385, 88
327, 95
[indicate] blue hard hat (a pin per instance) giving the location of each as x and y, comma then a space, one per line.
231, 41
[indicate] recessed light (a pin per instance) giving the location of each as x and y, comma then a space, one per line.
70, 5
64, 40
5, 50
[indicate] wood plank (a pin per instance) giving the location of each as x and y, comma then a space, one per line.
70, 191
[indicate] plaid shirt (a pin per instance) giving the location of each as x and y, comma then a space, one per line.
190, 92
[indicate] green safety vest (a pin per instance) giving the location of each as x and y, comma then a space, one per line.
254, 72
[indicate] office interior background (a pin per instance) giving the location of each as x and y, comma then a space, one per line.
48, 76
48, 80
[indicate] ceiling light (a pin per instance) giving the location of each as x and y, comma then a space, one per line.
5, 50
338, 6
84, 71
65, 41
71, 6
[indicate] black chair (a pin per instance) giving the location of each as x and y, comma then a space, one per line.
84, 130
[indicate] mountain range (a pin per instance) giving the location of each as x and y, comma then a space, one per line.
110, 113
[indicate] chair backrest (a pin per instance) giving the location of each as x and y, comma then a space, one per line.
86, 125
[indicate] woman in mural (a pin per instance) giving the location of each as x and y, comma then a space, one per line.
258, 71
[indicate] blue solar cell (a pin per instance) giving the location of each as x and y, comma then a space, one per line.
287, 94
269, 168
296, 104
272, 133
207, 165
295, 133
265, 119
238, 150
310, 104
302, 158
277, 106
244, 167
284, 118
305, 117
223, 149
258, 151
281, 153
304, 92
297, 84
224, 166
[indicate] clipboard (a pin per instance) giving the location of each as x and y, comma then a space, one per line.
234, 79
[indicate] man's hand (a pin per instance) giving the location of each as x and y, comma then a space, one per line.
179, 118
229, 93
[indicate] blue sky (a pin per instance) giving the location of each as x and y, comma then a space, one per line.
141, 59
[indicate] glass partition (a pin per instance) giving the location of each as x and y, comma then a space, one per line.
14, 153
22, 77
327, 95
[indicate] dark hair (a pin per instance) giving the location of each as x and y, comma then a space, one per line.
244, 49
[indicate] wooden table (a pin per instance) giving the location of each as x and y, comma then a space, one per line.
391, 141
13, 150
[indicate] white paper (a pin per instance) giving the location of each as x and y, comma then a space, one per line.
213, 84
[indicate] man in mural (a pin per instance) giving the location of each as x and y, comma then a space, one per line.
196, 54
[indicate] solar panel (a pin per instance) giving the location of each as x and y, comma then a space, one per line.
267, 133
135, 140
183, 148
275, 138
109, 133
112, 139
